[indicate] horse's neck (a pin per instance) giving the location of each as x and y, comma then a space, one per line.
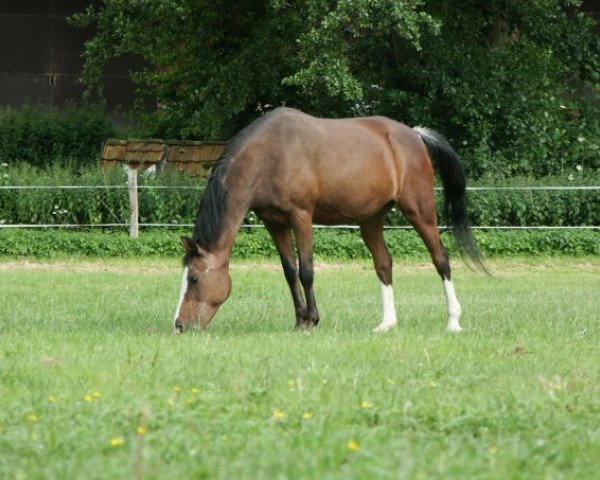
237, 208
239, 181
233, 223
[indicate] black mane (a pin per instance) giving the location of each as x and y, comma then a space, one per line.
213, 208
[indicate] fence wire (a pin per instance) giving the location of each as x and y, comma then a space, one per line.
188, 187
325, 227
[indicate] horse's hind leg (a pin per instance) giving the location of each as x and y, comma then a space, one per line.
421, 213
284, 242
372, 234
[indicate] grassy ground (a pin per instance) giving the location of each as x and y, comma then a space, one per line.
93, 384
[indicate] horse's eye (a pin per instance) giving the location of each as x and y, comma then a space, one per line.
193, 280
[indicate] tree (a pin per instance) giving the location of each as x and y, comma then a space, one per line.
512, 83
211, 64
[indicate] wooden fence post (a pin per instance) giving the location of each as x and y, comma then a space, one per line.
133, 201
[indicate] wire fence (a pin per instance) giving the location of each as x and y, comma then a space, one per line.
334, 227
187, 187
125, 225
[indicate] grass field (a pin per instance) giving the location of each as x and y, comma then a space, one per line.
93, 384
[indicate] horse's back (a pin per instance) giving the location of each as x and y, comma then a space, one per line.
327, 146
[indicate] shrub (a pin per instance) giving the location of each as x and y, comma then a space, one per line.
72, 136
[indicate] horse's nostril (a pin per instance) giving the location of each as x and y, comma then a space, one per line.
178, 328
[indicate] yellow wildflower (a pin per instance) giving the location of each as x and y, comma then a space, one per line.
51, 399
354, 446
307, 416
141, 430
88, 398
177, 389
32, 418
278, 414
366, 404
195, 391
96, 395
116, 441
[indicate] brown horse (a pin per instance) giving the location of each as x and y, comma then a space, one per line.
293, 169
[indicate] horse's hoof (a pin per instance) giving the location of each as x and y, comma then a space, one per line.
306, 325
454, 328
384, 327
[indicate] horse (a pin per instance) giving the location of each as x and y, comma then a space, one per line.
293, 170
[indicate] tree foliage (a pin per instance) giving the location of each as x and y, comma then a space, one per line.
514, 84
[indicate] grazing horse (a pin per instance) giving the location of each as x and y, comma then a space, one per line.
293, 169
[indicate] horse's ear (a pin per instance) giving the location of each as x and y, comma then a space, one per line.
190, 246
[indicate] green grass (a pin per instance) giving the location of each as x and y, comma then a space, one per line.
87, 356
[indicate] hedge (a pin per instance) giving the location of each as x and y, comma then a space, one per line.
255, 243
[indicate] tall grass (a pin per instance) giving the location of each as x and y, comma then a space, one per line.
107, 205
96, 205
94, 383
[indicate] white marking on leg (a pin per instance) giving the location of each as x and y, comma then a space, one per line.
454, 309
184, 286
389, 309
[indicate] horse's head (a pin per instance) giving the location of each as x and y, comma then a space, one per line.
205, 285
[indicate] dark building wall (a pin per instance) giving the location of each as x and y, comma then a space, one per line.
593, 8
40, 56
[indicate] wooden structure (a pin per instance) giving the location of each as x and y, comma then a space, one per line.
196, 158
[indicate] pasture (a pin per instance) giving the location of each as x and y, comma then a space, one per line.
95, 385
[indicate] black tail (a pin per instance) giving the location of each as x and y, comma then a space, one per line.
454, 181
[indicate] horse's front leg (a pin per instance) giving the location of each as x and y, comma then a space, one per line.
284, 242
302, 225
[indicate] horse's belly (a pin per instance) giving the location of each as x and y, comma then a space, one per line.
349, 207
326, 215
